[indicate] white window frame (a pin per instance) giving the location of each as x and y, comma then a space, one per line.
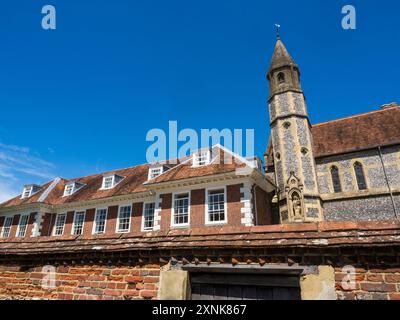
180, 225
103, 185
207, 218
117, 230
19, 225
55, 224
9, 227
113, 181
94, 221
75, 187
27, 190
151, 171
198, 154
66, 194
74, 222
143, 216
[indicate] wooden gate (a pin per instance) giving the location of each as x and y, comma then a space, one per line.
244, 286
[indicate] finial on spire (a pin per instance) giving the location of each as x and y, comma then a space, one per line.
278, 27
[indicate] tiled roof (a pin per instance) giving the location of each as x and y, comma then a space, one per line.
133, 182
186, 170
368, 130
32, 199
359, 132
316, 235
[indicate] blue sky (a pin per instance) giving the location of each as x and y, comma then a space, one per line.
80, 99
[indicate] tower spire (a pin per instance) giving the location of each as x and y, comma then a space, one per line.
281, 56
283, 73
291, 136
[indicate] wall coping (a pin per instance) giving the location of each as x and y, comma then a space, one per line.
322, 234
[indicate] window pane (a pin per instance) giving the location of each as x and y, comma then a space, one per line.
108, 182
336, 180
362, 185
100, 221
149, 216
23, 222
155, 173
7, 227
181, 209
78, 223
124, 219
201, 158
69, 189
216, 205
27, 192
60, 222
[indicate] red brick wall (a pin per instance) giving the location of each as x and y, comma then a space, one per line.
89, 218
14, 225
112, 216
100, 282
136, 222
234, 205
260, 201
69, 222
166, 204
197, 208
197, 214
370, 284
29, 227
48, 221
82, 282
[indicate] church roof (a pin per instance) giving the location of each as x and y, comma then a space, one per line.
281, 57
359, 132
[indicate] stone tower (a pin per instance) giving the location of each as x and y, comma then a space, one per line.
291, 138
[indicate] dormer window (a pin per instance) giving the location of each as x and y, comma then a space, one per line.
29, 190
110, 181
71, 188
201, 158
155, 172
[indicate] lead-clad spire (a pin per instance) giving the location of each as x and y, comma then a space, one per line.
283, 74
281, 56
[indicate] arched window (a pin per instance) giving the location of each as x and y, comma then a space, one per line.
335, 179
281, 77
358, 169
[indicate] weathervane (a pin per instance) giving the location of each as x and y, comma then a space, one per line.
278, 26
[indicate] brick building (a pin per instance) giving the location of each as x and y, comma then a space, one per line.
319, 221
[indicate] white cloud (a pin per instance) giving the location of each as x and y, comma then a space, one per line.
7, 191
19, 166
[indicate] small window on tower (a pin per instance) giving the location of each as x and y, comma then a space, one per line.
281, 77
